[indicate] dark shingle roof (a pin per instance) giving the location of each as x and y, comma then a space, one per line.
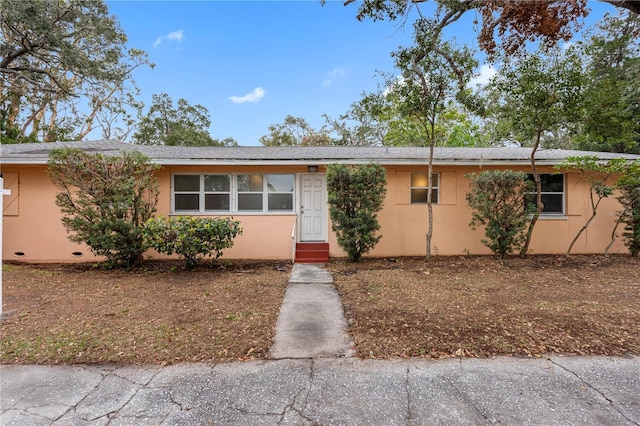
37, 153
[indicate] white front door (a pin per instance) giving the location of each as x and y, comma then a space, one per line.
313, 207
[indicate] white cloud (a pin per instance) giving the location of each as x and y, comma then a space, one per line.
333, 75
254, 96
176, 36
486, 74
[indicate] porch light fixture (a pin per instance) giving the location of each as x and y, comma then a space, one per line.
312, 169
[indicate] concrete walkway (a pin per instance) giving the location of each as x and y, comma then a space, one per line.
311, 322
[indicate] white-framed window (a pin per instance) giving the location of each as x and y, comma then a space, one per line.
280, 192
232, 193
201, 193
186, 193
217, 192
420, 187
553, 193
250, 193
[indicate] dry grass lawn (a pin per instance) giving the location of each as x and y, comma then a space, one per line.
477, 306
452, 306
152, 315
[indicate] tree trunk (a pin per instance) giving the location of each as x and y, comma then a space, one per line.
631, 5
13, 110
593, 215
429, 236
38, 116
52, 128
96, 106
539, 205
594, 212
613, 236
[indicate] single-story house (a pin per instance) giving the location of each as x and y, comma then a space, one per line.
279, 195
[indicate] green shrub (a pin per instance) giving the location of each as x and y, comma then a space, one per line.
355, 196
629, 198
192, 238
498, 201
105, 201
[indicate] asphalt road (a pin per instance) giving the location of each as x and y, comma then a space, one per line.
329, 391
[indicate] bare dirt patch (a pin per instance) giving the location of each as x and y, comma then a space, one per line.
477, 306
153, 315
452, 306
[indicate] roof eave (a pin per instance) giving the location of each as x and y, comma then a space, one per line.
306, 162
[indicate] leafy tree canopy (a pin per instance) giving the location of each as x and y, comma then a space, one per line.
531, 96
433, 75
362, 125
612, 86
536, 94
57, 58
295, 131
506, 25
433, 72
377, 120
183, 125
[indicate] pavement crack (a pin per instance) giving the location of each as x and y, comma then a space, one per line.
611, 402
108, 415
178, 403
407, 386
28, 410
304, 393
134, 382
73, 408
467, 400
292, 407
115, 413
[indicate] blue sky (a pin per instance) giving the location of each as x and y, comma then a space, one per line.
253, 63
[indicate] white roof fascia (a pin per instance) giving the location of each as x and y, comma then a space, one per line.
307, 162
324, 162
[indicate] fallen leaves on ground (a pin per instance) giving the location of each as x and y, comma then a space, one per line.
403, 307
157, 314
481, 307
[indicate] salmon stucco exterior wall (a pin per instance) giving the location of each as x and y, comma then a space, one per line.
265, 236
33, 231
404, 225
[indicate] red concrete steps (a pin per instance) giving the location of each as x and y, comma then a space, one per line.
312, 252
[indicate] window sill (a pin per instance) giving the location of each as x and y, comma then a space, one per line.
232, 213
553, 217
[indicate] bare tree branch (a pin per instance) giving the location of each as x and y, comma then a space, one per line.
631, 5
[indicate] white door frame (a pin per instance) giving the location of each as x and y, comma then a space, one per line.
321, 210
